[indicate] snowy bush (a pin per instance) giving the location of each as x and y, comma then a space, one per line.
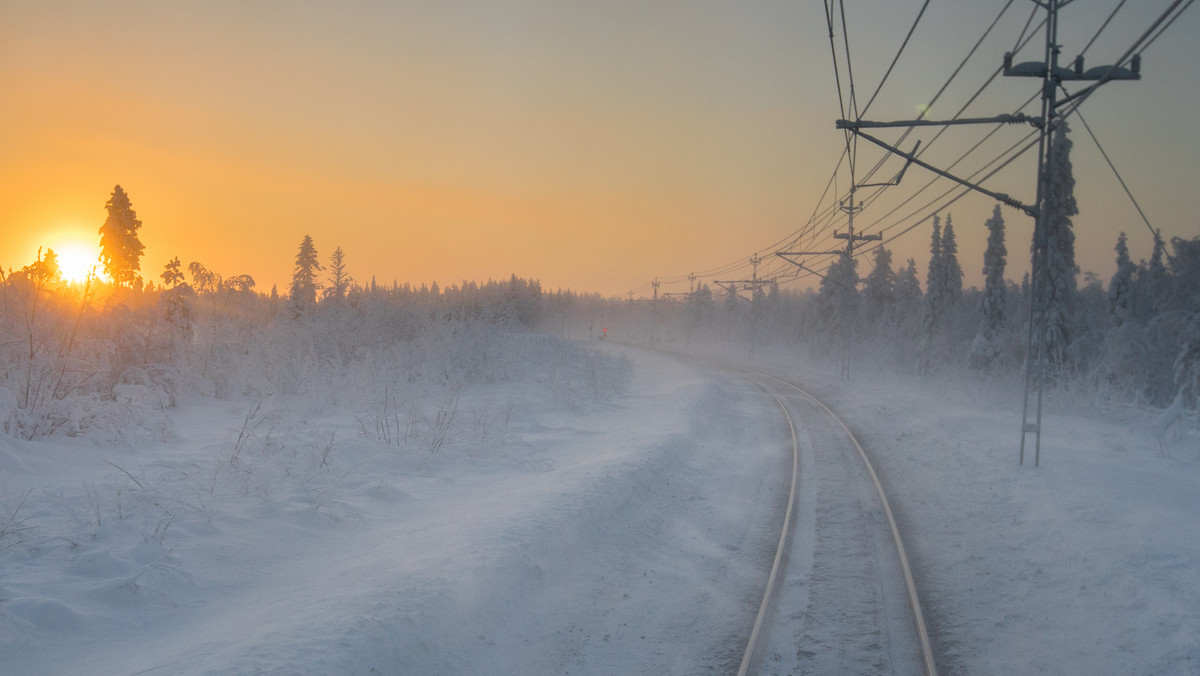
8, 412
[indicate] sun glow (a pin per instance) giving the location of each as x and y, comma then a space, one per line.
78, 261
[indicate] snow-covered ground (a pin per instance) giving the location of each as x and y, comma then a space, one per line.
1086, 564
532, 534
539, 536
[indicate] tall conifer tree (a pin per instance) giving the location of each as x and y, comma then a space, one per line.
339, 279
952, 273
1151, 282
986, 346
879, 288
908, 286
839, 291
120, 248
1058, 291
1120, 289
304, 276
935, 300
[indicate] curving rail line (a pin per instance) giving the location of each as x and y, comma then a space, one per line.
781, 550
914, 602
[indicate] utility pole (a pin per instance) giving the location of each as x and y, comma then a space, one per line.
1052, 76
850, 236
753, 285
755, 306
852, 239
654, 311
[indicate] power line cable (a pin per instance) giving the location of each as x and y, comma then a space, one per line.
953, 164
897, 57
953, 76
837, 72
1116, 173
1003, 165
1147, 38
1102, 27
1028, 21
822, 221
828, 218
1144, 41
849, 65
1021, 43
1167, 25
1086, 93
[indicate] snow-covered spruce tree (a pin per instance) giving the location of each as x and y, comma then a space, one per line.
1120, 288
908, 287
952, 272
1150, 282
176, 310
1185, 274
879, 288
986, 346
838, 300
935, 301
120, 248
172, 276
339, 279
732, 314
702, 306
522, 300
1057, 292
1180, 304
731, 300
908, 311
774, 310
1186, 379
304, 276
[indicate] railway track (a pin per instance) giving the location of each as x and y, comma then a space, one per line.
840, 595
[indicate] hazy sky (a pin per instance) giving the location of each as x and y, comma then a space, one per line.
591, 145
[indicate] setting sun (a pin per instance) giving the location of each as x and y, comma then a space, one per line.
77, 261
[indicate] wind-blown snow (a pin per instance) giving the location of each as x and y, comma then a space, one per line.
581, 538
1087, 564
629, 534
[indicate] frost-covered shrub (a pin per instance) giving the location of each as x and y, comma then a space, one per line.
51, 352
8, 412
1187, 367
133, 413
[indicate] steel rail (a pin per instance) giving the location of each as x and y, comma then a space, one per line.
914, 600
781, 550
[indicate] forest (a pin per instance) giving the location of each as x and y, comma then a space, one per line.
114, 351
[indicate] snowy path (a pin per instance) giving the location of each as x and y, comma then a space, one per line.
624, 538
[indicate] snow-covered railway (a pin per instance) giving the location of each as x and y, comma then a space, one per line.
840, 596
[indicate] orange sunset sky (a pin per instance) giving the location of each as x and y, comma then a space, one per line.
591, 145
